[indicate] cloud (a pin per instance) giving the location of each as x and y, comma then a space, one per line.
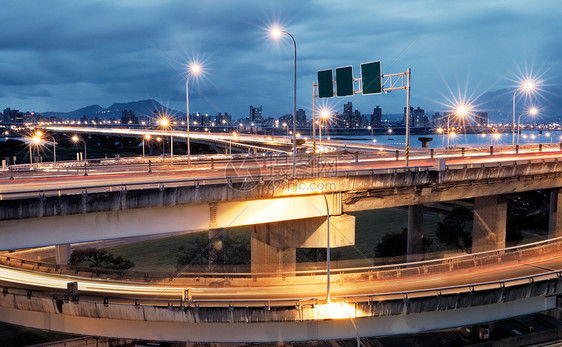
99, 52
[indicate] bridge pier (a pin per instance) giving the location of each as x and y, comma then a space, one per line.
274, 244
555, 215
414, 249
490, 215
62, 254
266, 258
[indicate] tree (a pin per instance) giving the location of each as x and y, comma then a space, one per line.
99, 258
455, 229
396, 244
228, 249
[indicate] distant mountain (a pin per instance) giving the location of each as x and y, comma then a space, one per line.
141, 108
499, 104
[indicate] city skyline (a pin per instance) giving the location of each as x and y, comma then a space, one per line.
132, 52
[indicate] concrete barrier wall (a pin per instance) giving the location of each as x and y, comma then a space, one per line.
241, 322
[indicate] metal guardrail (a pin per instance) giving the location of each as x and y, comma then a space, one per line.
287, 302
377, 271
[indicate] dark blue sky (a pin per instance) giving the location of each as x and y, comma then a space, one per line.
63, 55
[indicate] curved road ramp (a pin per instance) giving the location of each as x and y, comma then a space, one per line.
269, 307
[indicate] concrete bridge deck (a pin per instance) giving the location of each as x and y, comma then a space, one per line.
111, 210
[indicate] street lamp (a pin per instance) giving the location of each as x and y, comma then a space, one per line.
35, 141
276, 33
146, 137
165, 123
324, 115
195, 69
461, 111
533, 112
527, 86
40, 134
77, 139
159, 139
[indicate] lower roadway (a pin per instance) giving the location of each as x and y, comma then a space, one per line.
469, 270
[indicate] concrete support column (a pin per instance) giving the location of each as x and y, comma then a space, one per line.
490, 215
274, 244
266, 258
555, 216
62, 254
415, 233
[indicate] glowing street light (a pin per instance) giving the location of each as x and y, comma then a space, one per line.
533, 112
495, 136
34, 142
159, 139
166, 123
460, 112
276, 33
40, 134
324, 116
194, 69
77, 139
146, 137
528, 86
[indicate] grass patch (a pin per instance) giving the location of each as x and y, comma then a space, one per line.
161, 254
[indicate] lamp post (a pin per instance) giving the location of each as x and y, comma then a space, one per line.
165, 123
40, 134
195, 68
77, 139
35, 141
146, 137
461, 111
533, 111
159, 139
277, 33
528, 86
328, 296
324, 115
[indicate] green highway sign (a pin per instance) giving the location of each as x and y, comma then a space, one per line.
325, 84
371, 77
344, 81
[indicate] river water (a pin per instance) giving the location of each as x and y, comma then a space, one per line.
459, 140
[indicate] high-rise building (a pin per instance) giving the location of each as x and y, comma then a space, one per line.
411, 116
12, 116
345, 120
256, 113
482, 119
437, 120
376, 117
418, 117
223, 119
301, 117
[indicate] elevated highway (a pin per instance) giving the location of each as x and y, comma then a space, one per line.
371, 301
274, 302
100, 207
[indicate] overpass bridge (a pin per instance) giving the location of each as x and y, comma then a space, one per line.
287, 213
369, 301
